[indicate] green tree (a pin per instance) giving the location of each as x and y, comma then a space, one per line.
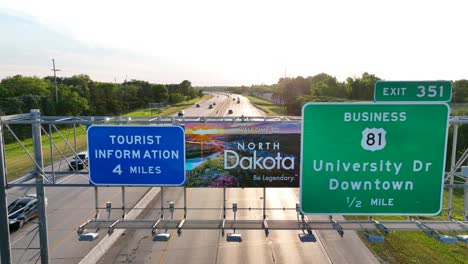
20, 85
362, 88
103, 99
79, 83
71, 103
159, 93
290, 89
185, 87
175, 98
460, 91
326, 85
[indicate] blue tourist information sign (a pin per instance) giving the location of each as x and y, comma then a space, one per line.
136, 155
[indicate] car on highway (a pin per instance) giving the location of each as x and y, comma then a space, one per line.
238, 100
214, 103
198, 105
79, 162
181, 113
230, 112
233, 99
210, 107
22, 210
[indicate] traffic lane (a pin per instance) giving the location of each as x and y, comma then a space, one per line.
208, 246
59, 166
204, 109
193, 246
287, 244
67, 209
25, 244
222, 107
255, 246
52, 199
347, 249
281, 246
245, 107
196, 246
64, 239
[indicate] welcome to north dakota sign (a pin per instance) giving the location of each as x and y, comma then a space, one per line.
242, 154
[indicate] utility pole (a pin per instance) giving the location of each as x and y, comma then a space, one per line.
55, 80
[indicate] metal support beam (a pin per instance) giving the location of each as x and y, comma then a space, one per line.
179, 227
82, 228
264, 203
153, 228
453, 161
51, 153
465, 202
49, 135
224, 204
111, 228
265, 225
40, 190
162, 202
429, 231
96, 203
337, 226
123, 202
381, 228
185, 202
222, 227
4, 224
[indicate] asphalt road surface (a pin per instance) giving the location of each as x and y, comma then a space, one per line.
224, 103
67, 208
209, 246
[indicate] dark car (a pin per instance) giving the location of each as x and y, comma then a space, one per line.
214, 103
22, 210
233, 99
210, 107
230, 112
198, 105
79, 162
181, 113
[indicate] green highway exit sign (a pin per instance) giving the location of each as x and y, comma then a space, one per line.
422, 91
373, 158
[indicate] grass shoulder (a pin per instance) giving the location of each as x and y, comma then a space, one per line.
416, 246
270, 108
172, 109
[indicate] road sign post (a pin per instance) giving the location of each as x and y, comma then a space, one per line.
414, 91
367, 158
136, 155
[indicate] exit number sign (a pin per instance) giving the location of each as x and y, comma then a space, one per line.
427, 91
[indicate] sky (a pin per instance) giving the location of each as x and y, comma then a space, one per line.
242, 42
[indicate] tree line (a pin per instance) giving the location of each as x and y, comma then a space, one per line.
79, 95
292, 92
